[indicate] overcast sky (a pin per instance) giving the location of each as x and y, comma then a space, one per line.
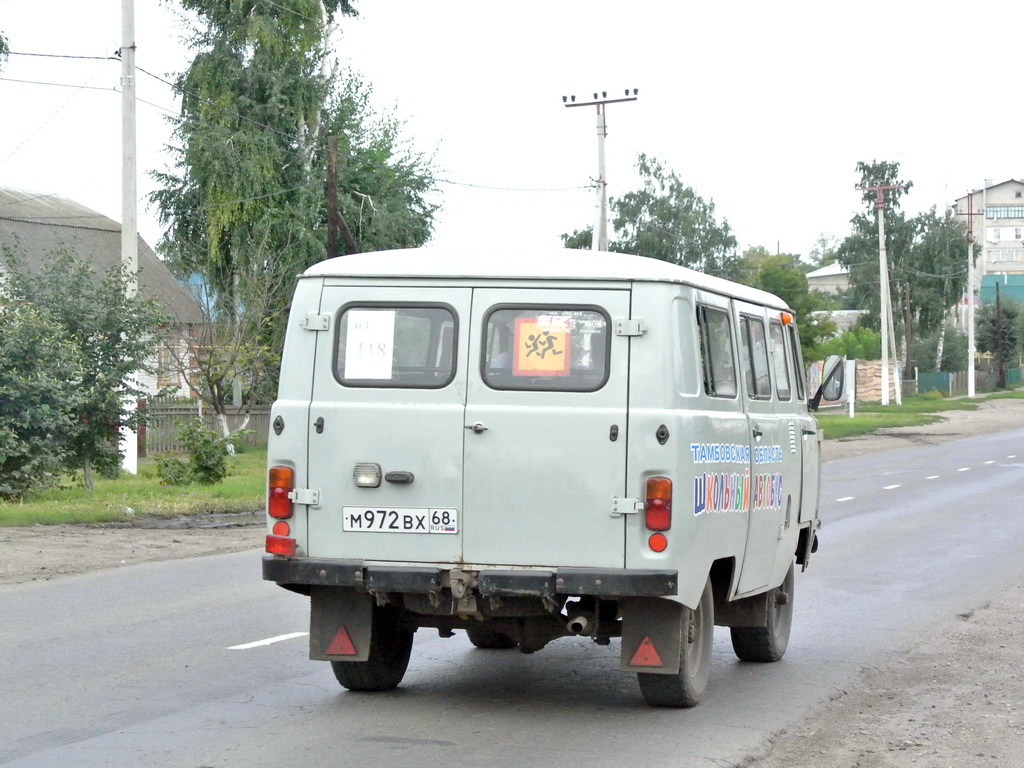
762, 107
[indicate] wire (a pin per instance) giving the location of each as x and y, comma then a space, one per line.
63, 56
59, 85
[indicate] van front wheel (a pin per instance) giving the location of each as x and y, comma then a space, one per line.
390, 649
768, 643
686, 687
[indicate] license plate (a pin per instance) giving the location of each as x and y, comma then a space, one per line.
400, 520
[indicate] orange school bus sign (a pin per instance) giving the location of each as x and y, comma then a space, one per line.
542, 346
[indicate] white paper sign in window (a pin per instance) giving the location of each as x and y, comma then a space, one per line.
369, 344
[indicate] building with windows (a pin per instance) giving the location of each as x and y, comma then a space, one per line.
995, 216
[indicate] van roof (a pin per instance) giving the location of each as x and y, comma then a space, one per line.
533, 264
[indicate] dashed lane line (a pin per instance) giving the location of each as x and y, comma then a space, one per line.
268, 641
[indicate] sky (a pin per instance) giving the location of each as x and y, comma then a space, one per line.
763, 108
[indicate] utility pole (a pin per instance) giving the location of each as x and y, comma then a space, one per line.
971, 351
129, 440
129, 165
883, 270
335, 221
600, 239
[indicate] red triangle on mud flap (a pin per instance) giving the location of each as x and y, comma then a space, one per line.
341, 645
646, 655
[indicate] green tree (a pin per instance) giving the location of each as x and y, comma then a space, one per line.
113, 338
926, 257
37, 405
859, 343
668, 220
996, 333
245, 202
859, 250
784, 276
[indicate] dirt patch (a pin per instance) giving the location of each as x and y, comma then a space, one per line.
44, 552
957, 699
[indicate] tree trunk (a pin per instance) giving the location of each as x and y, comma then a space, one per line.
939, 348
87, 474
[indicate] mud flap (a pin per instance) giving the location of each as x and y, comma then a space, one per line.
651, 635
339, 624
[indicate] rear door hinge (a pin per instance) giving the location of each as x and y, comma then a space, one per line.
631, 326
622, 507
307, 496
314, 321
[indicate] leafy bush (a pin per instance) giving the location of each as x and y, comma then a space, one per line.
37, 404
208, 458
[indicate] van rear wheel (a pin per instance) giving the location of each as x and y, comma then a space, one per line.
390, 649
490, 640
686, 687
768, 643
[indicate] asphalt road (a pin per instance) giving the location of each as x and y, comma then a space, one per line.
158, 664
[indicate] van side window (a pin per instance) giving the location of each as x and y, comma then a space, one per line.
717, 361
395, 346
798, 362
546, 348
754, 355
782, 388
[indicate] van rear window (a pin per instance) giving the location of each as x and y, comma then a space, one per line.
395, 346
546, 348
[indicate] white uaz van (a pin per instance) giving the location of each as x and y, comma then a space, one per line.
536, 445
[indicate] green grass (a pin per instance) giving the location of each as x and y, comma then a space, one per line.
912, 412
144, 494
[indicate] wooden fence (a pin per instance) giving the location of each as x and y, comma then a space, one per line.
164, 421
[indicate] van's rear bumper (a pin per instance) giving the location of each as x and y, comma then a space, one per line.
299, 574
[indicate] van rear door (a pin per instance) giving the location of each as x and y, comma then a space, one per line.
388, 397
545, 428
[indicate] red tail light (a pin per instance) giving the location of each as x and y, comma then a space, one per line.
280, 545
658, 507
280, 483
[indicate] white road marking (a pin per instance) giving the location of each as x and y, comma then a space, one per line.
964, 469
990, 462
890, 487
1012, 456
268, 641
846, 498
932, 477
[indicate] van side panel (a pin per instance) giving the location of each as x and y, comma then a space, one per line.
288, 447
666, 389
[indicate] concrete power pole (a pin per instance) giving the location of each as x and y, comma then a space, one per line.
600, 239
883, 272
129, 442
129, 163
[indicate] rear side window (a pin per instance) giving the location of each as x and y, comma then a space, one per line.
754, 354
546, 348
395, 346
798, 363
782, 387
717, 361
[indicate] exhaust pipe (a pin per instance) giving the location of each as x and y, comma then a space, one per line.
578, 624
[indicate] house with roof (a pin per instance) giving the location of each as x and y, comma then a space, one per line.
36, 225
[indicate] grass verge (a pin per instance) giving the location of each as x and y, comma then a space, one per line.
142, 494
912, 412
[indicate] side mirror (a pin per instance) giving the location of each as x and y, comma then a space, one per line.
833, 382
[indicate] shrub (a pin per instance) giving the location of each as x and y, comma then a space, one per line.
208, 458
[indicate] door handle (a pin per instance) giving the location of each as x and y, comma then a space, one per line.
477, 427
758, 433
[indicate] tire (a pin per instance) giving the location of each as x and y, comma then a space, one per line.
686, 687
488, 639
768, 643
390, 648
